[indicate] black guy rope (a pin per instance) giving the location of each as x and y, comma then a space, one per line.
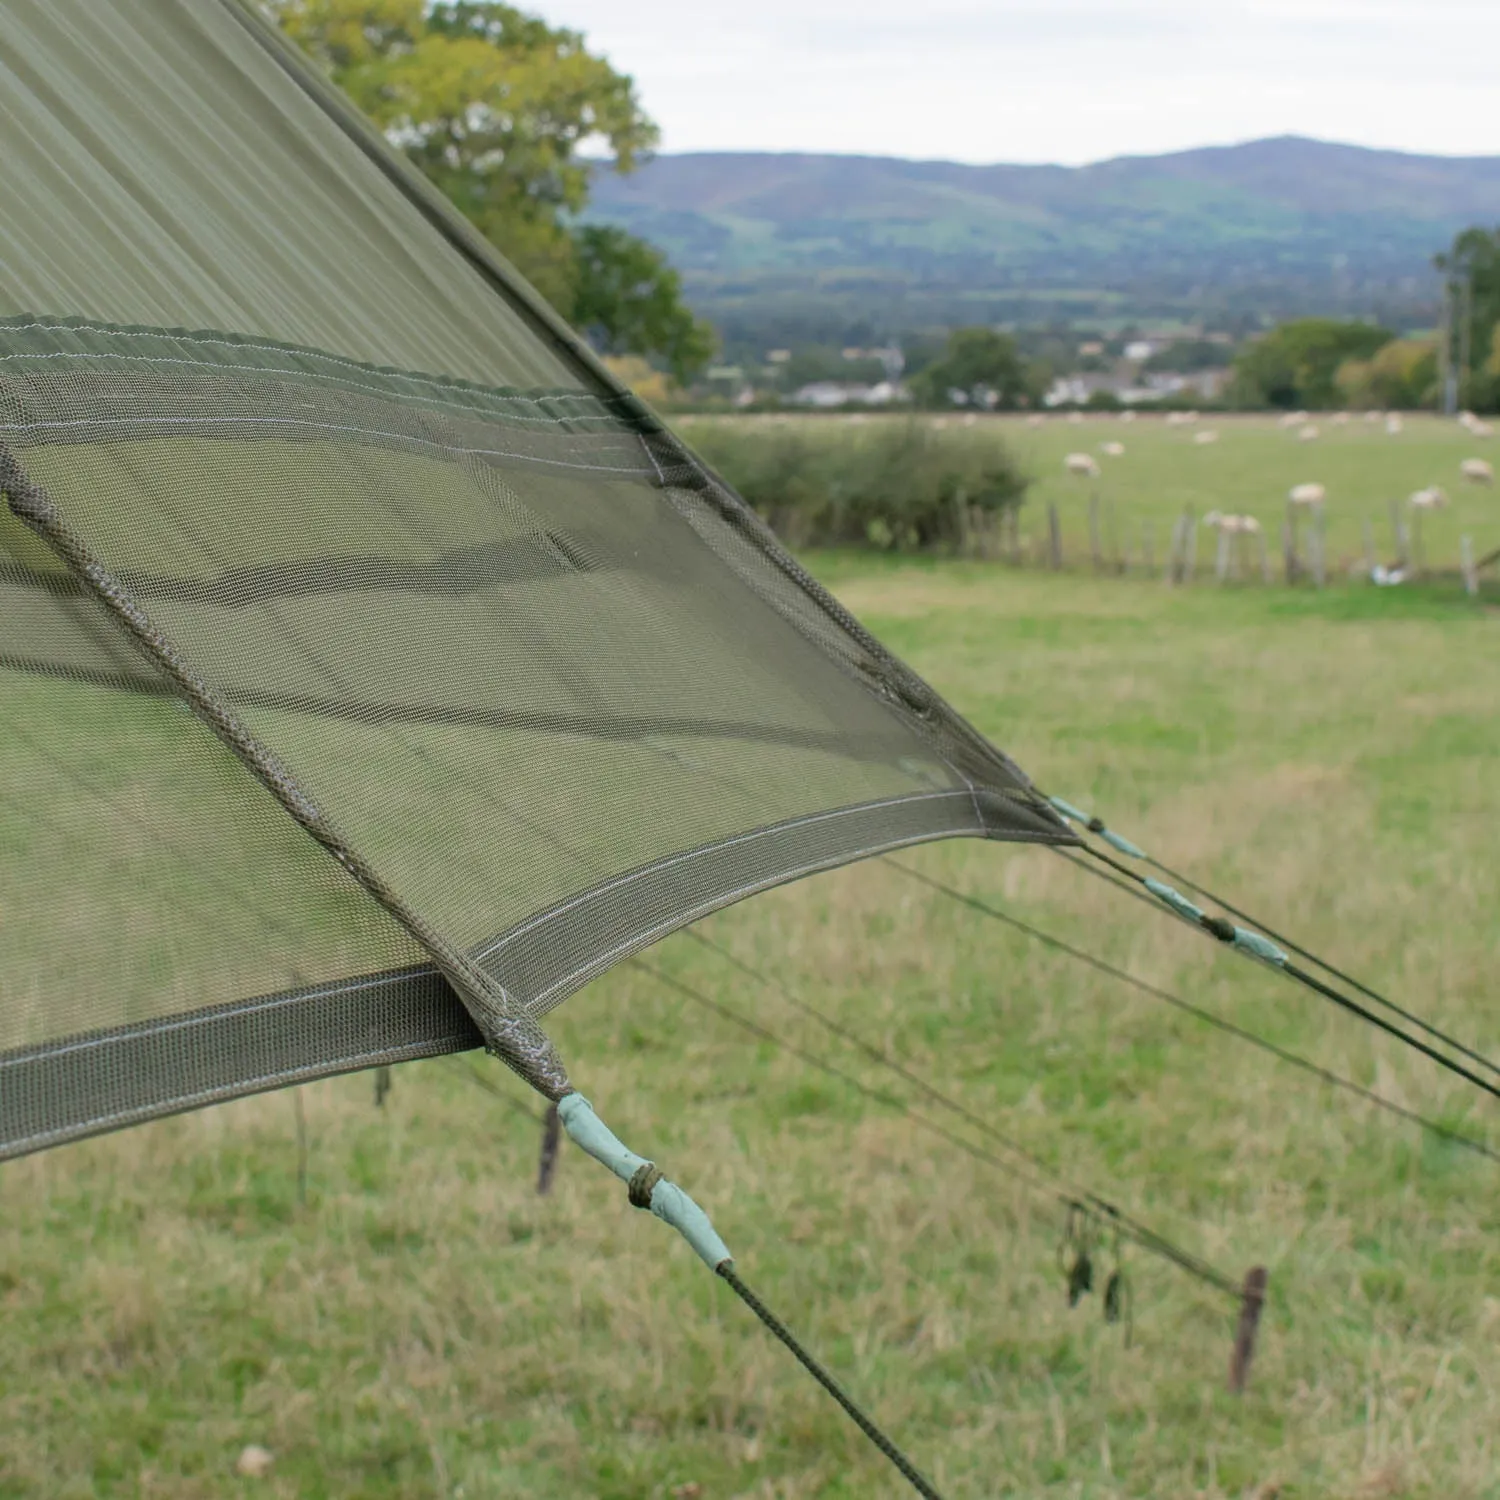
1325, 1075
1370, 994
912, 1475
725, 1270
1037, 1174
1226, 932
1100, 829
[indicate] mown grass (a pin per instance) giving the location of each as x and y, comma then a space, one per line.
425, 1325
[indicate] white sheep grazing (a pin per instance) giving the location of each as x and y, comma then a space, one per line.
1127, 416
1477, 471
1112, 450
1081, 464
1208, 435
1308, 434
1307, 494
1234, 525
1292, 419
1393, 424
1372, 416
1340, 418
1176, 418
1480, 429
1432, 498
1035, 419
1075, 417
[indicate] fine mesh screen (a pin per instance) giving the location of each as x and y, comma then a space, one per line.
553, 682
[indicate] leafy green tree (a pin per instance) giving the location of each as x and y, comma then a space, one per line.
982, 366
627, 299
1471, 267
1296, 364
497, 108
1403, 374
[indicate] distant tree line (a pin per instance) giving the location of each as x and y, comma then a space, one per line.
1314, 363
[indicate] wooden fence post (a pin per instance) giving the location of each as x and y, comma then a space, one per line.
1054, 536
1252, 1300
1398, 535
1368, 534
551, 1140
1289, 544
1116, 557
1319, 544
1265, 557
1221, 556
1466, 565
1191, 560
1095, 555
1148, 547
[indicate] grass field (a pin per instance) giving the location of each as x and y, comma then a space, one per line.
425, 1325
1248, 470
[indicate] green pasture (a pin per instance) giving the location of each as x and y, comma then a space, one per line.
423, 1324
1248, 470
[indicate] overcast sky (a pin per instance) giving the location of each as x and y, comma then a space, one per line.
1052, 80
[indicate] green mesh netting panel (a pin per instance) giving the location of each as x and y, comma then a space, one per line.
558, 686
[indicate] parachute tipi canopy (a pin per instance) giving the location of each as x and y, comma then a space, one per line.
319, 522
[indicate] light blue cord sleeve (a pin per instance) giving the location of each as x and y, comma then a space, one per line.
1069, 811
1120, 842
1176, 900
668, 1201
1259, 947
1110, 837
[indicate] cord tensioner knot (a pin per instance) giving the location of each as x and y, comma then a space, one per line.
647, 1187
642, 1184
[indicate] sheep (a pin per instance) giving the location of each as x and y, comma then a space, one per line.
1208, 435
1340, 418
1308, 434
1127, 416
1235, 525
1393, 424
1112, 450
1372, 416
1480, 429
1176, 418
1292, 419
1075, 417
1307, 494
1432, 498
1081, 464
1035, 419
1477, 471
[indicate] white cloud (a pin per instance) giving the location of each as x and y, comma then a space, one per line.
1052, 80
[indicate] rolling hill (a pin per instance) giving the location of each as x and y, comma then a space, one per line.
1268, 228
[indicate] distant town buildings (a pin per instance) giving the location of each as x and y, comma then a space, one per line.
831, 393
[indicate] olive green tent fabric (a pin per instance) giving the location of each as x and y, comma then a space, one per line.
162, 170
556, 684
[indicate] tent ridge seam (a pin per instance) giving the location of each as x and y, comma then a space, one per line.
306, 351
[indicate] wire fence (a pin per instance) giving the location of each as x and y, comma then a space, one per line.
1106, 538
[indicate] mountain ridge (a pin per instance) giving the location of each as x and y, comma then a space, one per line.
1268, 227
